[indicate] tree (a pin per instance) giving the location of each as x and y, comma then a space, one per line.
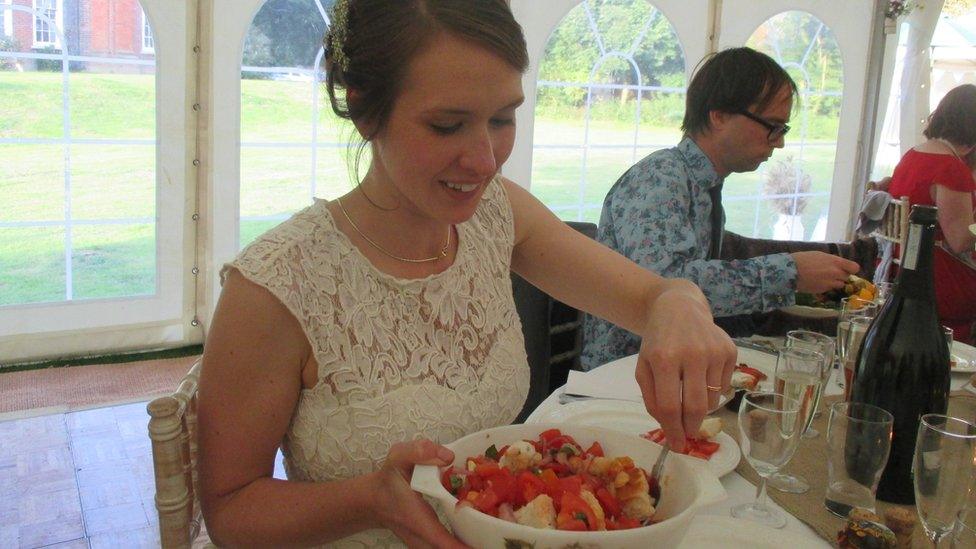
286, 33
573, 50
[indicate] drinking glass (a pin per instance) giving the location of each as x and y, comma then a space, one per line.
858, 443
857, 328
942, 471
799, 376
884, 290
823, 344
964, 533
949, 335
769, 427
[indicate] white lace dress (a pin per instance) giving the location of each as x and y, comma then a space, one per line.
438, 357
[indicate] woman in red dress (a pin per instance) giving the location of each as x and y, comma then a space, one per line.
940, 172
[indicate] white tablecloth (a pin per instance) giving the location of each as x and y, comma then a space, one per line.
620, 373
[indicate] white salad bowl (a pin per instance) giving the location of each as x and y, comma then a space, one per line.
686, 486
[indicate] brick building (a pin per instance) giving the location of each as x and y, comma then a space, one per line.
88, 28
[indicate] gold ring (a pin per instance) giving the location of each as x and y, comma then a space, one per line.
716, 389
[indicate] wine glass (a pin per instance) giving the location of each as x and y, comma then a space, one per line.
823, 344
799, 375
964, 533
769, 427
942, 471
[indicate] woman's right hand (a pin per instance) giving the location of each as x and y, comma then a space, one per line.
404, 511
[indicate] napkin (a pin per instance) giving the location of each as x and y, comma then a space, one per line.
598, 384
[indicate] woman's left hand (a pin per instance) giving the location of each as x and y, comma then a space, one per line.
685, 361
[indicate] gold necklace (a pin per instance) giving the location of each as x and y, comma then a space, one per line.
380, 248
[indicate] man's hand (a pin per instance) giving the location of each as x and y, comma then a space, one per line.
818, 272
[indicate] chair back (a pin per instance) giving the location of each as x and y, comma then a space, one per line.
553, 335
173, 432
894, 225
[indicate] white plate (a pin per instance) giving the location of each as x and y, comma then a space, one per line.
632, 418
811, 312
965, 357
764, 362
709, 532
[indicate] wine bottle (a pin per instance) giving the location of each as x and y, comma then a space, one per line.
903, 362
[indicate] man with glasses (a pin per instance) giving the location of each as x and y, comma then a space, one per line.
665, 212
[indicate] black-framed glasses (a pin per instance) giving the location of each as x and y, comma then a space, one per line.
775, 130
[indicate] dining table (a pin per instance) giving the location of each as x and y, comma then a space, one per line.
614, 382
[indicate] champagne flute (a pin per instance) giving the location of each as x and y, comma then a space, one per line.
857, 329
823, 344
769, 427
851, 307
799, 376
942, 471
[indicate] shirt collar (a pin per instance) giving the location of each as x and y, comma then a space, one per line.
700, 167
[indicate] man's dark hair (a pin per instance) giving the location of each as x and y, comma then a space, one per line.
732, 80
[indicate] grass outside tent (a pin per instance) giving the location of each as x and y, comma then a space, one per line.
116, 182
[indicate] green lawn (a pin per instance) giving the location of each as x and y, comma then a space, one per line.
117, 182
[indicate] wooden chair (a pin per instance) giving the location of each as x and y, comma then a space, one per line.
894, 225
173, 432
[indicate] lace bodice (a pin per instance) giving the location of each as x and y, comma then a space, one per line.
437, 357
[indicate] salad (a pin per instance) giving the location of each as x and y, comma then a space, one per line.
554, 482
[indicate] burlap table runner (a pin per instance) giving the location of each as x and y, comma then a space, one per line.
810, 462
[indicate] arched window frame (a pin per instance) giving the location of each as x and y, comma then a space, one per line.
166, 318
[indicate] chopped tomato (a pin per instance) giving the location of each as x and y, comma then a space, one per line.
453, 480
572, 485
487, 501
609, 502
657, 435
575, 508
546, 436
751, 371
504, 485
487, 469
558, 468
595, 450
589, 480
622, 522
696, 447
552, 487
707, 446
530, 486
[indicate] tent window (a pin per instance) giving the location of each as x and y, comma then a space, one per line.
80, 224
293, 148
610, 91
787, 198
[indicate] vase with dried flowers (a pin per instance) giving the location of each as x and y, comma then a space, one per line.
785, 180
895, 9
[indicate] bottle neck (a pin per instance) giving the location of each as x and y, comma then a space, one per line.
915, 276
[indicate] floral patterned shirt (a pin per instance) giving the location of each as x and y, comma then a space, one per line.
658, 215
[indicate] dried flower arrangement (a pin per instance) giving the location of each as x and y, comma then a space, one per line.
897, 8
783, 180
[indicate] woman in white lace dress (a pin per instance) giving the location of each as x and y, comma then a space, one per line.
364, 331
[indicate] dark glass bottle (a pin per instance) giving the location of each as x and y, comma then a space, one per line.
903, 363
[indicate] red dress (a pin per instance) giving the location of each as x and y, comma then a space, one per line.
955, 283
